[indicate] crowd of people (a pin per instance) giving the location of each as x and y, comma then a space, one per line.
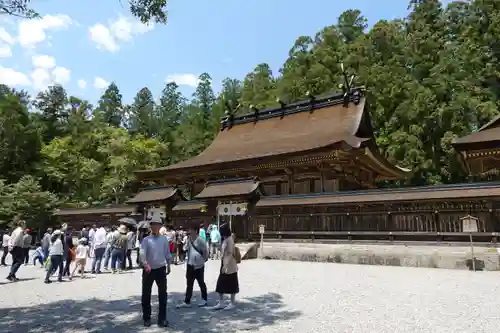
157, 248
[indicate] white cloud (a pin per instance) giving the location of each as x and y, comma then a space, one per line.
184, 79
46, 72
12, 78
61, 75
122, 29
6, 41
32, 32
6, 37
82, 84
5, 51
100, 83
43, 61
103, 38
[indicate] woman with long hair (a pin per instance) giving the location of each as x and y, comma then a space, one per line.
227, 283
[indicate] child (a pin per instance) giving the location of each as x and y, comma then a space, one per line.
38, 255
81, 254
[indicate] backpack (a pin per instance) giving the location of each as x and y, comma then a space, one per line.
237, 254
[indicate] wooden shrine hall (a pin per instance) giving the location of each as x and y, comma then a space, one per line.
308, 170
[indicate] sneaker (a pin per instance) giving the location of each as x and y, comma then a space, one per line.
230, 306
47, 281
147, 323
203, 304
183, 305
217, 306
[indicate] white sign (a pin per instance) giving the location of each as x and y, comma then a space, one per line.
233, 209
156, 214
261, 229
469, 223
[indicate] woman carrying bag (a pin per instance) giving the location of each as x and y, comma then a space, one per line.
227, 283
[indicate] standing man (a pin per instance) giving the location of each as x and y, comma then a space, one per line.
16, 249
5, 246
197, 255
155, 258
27, 245
99, 247
46, 243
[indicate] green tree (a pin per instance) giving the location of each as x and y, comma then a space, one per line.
109, 107
19, 139
52, 104
142, 117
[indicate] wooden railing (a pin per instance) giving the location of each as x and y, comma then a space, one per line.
489, 237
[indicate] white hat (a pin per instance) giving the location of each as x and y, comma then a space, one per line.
122, 229
56, 232
82, 240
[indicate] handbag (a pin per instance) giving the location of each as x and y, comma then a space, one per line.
196, 249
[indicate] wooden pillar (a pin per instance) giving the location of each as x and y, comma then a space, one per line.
277, 189
322, 180
291, 186
311, 185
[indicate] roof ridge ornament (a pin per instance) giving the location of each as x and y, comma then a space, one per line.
347, 87
227, 120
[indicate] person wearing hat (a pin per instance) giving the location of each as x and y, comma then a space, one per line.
118, 248
56, 254
81, 254
155, 258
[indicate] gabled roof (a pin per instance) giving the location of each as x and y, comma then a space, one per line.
300, 127
155, 194
229, 188
110, 209
488, 134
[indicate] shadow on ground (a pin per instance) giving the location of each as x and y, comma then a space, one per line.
124, 315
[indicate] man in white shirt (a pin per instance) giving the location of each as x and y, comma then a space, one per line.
5, 246
99, 245
16, 249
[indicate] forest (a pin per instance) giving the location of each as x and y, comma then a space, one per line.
431, 76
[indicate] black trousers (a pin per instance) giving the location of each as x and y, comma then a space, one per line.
129, 258
17, 254
4, 255
198, 275
67, 265
26, 251
158, 276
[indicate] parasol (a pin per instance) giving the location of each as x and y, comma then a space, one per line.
143, 225
129, 222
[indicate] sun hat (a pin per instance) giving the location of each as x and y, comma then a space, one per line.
122, 229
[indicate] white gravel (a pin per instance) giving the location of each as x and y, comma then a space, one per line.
276, 296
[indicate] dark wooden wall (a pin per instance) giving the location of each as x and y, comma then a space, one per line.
415, 221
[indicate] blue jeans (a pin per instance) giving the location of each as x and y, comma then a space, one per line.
107, 256
117, 257
96, 263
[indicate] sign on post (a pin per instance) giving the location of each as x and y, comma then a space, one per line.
469, 224
261, 231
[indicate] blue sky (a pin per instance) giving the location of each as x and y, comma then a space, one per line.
87, 44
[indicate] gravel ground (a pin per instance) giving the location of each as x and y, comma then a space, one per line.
276, 296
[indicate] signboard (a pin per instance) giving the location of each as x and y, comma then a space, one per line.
261, 229
233, 209
469, 223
